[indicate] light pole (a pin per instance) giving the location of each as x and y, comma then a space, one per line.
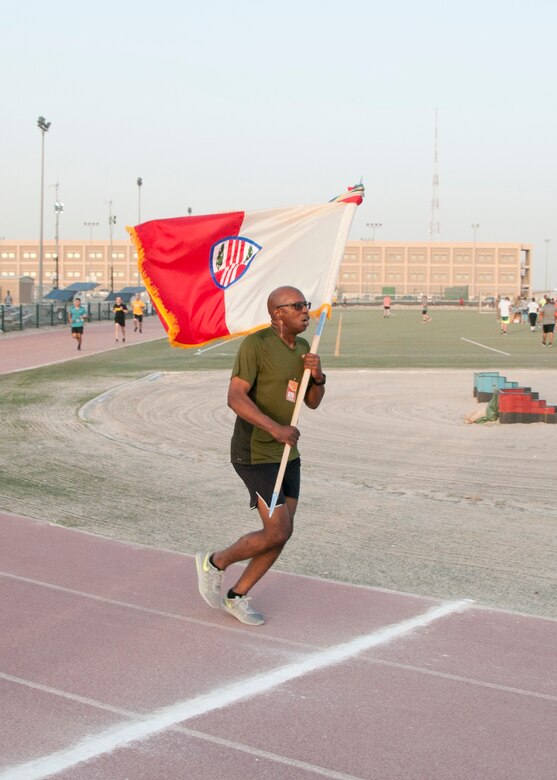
58, 209
475, 227
111, 221
43, 126
373, 226
139, 185
90, 225
547, 240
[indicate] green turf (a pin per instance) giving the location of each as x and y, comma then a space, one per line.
370, 341
367, 341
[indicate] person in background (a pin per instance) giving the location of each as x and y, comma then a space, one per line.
533, 313
77, 314
504, 313
387, 306
425, 315
8, 300
138, 308
120, 310
547, 315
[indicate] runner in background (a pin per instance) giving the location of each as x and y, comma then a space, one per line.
76, 315
138, 308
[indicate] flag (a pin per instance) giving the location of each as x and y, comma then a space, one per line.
210, 276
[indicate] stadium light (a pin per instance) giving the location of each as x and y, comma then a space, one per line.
43, 126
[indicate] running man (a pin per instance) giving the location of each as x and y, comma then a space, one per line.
138, 308
76, 315
120, 310
262, 392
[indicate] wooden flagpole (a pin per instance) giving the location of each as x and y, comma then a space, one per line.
351, 200
296, 413
339, 331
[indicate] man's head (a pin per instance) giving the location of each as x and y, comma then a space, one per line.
118, 300
288, 309
77, 301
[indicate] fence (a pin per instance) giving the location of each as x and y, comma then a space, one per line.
41, 315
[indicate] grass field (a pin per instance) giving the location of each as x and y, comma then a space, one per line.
367, 340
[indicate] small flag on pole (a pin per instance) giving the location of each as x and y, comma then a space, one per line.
209, 276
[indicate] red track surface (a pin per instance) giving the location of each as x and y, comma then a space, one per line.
34, 348
98, 633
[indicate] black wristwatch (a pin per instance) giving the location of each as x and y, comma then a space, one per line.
320, 384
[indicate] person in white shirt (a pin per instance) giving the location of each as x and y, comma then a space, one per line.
533, 313
504, 313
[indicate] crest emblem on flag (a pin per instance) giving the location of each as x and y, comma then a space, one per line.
230, 258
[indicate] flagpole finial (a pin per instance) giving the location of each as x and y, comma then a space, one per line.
354, 194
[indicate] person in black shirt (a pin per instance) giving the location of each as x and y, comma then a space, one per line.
120, 310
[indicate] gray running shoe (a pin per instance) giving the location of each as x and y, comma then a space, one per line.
209, 580
241, 609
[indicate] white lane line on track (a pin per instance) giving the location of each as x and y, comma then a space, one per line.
220, 741
218, 344
167, 717
477, 343
273, 639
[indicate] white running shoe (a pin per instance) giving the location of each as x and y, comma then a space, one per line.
241, 609
209, 580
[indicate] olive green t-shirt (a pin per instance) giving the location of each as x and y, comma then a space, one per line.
274, 371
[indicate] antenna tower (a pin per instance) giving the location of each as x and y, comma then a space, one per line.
434, 230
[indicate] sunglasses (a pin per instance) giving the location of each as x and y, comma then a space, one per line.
298, 305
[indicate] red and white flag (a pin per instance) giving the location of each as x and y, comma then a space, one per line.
210, 276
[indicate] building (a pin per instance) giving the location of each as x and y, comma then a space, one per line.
368, 269
77, 261
440, 270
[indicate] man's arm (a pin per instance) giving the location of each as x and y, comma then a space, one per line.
240, 403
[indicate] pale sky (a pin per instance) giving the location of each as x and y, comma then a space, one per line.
223, 106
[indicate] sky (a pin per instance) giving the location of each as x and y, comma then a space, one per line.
222, 106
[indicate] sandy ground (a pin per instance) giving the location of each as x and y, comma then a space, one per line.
397, 491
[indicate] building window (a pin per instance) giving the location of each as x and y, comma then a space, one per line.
29, 255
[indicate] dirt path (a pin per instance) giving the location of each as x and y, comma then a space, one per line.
398, 492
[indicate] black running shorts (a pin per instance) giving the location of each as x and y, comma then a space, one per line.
261, 477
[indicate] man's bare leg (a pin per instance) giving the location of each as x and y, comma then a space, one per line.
261, 548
